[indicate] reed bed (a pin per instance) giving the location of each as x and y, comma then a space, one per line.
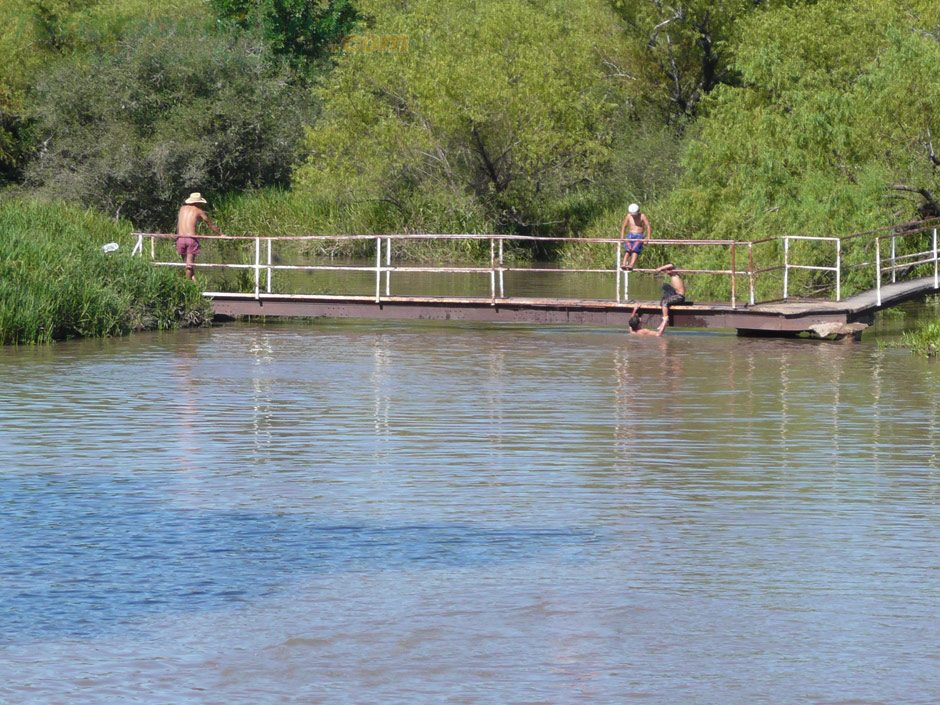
57, 282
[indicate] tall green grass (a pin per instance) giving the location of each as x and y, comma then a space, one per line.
924, 340
56, 282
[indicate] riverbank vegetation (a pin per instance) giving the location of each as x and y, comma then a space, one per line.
57, 281
924, 340
736, 120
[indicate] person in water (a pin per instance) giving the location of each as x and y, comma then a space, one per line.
187, 246
673, 294
636, 326
639, 233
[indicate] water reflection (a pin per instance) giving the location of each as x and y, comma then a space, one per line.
188, 422
380, 385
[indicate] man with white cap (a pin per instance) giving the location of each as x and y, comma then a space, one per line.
639, 233
186, 244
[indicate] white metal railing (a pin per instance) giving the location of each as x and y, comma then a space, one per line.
906, 261
496, 270
263, 266
787, 265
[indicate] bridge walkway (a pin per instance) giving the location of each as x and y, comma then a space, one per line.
901, 262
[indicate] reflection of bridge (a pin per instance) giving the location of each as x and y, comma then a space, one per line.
882, 268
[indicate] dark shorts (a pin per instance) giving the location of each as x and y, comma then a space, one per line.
631, 245
187, 246
670, 296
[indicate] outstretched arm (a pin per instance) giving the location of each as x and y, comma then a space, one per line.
211, 225
663, 323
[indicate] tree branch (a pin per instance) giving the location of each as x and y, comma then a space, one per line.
927, 196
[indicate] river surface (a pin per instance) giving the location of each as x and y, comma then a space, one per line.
351, 512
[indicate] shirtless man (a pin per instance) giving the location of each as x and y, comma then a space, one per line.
673, 290
186, 244
639, 234
636, 327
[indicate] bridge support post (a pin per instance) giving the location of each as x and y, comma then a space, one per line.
838, 270
257, 267
493, 271
734, 278
878, 271
502, 291
936, 271
750, 270
378, 269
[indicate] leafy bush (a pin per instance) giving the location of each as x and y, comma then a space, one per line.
168, 110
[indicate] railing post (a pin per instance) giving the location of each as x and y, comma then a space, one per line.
838, 270
139, 247
153, 248
378, 269
492, 271
617, 269
786, 267
750, 270
257, 267
894, 261
388, 265
878, 270
269, 265
502, 292
734, 299
936, 272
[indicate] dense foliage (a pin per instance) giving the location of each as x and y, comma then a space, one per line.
57, 282
301, 31
829, 133
36, 33
497, 115
164, 111
675, 54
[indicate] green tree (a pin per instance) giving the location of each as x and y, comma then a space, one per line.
831, 132
838, 108
498, 113
300, 30
36, 33
676, 53
167, 110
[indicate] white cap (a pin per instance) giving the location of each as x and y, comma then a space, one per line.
633, 209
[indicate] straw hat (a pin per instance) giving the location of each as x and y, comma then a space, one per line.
195, 198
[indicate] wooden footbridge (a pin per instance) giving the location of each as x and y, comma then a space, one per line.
775, 286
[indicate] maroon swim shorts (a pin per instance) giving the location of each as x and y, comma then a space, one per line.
187, 246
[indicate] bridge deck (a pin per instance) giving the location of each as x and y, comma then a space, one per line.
821, 317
